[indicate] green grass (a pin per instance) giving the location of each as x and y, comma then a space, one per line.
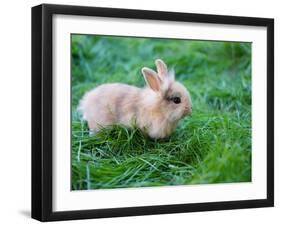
211, 146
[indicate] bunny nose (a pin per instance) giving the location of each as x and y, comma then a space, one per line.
187, 111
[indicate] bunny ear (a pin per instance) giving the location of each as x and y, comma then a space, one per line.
171, 74
161, 68
151, 79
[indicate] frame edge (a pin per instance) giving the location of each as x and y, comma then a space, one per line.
270, 112
41, 95
36, 69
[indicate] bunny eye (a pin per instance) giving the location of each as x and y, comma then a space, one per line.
176, 100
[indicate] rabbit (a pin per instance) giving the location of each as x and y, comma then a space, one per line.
156, 109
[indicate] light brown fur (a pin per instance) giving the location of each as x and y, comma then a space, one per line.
150, 108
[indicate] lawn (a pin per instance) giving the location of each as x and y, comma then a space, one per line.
211, 146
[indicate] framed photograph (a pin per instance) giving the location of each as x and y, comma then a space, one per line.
145, 112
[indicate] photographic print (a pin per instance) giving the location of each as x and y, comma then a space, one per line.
159, 112
138, 112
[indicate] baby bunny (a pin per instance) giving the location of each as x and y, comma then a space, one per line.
155, 109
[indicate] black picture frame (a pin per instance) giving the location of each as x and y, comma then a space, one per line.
42, 107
